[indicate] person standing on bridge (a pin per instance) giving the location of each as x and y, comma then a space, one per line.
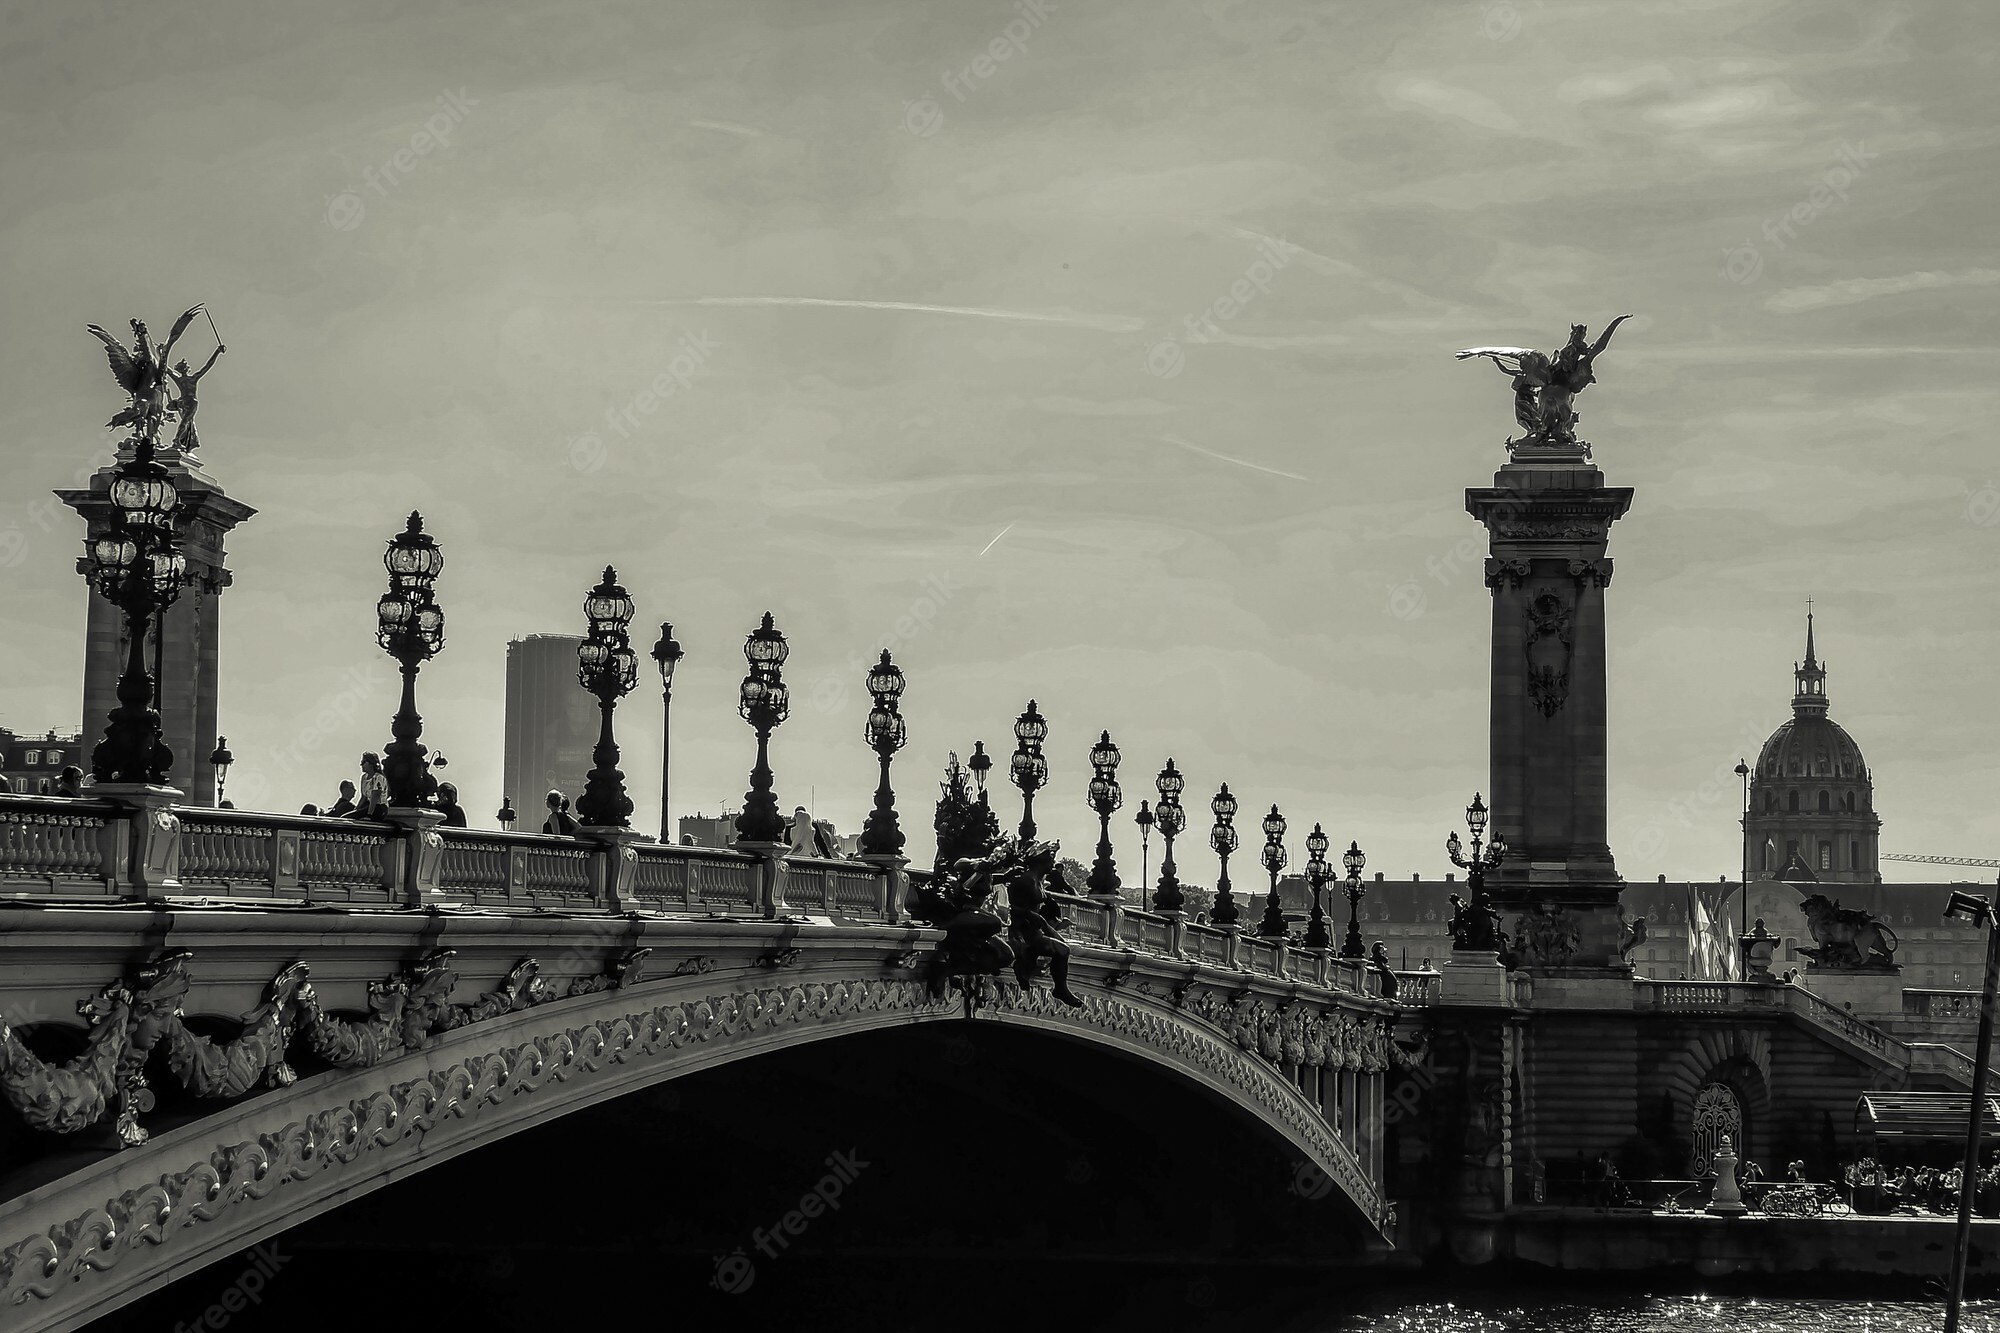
560, 821
802, 833
454, 813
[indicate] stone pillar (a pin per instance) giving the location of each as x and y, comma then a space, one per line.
148, 857
616, 864
1548, 515
769, 873
190, 655
895, 883
422, 855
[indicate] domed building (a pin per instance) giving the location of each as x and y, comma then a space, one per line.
1812, 802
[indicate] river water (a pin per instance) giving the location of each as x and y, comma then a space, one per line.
1597, 1312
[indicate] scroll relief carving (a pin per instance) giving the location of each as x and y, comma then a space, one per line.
131, 1018
1548, 647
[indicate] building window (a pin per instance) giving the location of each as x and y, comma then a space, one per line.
1792, 801
43, 788
1854, 863
35, 757
1826, 805
1826, 862
54, 757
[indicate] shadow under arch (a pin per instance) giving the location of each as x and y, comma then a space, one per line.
138, 1220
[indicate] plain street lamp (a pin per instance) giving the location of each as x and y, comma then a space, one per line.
608, 668
1145, 820
764, 701
1972, 908
1352, 860
666, 655
979, 766
886, 732
1172, 819
1222, 839
506, 815
1743, 772
1028, 769
1104, 796
410, 628
1478, 927
1318, 872
1272, 927
220, 761
137, 565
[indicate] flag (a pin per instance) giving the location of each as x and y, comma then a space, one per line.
1708, 959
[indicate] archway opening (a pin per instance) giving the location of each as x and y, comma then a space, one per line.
945, 1160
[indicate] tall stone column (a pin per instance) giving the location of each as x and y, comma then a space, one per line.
1548, 515
189, 656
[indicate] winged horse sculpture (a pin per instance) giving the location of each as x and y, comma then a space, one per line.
1545, 386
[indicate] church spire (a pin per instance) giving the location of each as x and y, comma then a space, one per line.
1809, 699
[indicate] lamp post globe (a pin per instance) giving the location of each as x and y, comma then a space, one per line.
220, 760
1475, 925
1222, 840
1028, 769
1104, 796
979, 765
1317, 874
1352, 860
409, 626
1272, 926
136, 565
1171, 818
764, 701
607, 667
885, 733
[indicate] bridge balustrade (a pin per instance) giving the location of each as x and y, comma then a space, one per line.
51, 843
1958, 1005
1417, 989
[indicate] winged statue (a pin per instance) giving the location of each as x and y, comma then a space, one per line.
143, 373
1545, 386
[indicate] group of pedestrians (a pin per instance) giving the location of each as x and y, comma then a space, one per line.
369, 798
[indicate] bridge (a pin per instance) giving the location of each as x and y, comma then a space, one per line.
218, 1024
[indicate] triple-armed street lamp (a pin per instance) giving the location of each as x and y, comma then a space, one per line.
1352, 860
1479, 930
608, 668
885, 733
1172, 819
410, 628
1272, 927
1318, 872
1223, 840
1028, 769
1104, 796
667, 656
764, 702
138, 567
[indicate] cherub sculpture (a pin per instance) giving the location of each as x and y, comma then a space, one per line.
1546, 386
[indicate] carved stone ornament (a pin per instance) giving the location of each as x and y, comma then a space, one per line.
1505, 573
1548, 936
1549, 529
1548, 649
1589, 572
129, 1019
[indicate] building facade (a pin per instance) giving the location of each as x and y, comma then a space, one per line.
551, 725
29, 764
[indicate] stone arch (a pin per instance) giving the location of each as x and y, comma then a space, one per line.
1738, 1058
135, 1220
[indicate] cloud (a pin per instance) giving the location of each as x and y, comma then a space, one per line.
1458, 103
1853, 291
1104, 323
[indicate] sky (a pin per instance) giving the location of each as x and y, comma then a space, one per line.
913, 325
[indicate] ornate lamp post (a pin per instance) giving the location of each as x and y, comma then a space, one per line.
1222, 838
979, 766
1476, 927
886, 732
1029, 770
220, 761
1171, 819
137, 566
1145, 820
608, 668
667, 655
1272, 927
410, 628
764, 701
1352, 860
1104, 796
1318, 872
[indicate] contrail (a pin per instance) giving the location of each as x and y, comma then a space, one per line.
996, 540
727, 128
1210, 453
1104, 323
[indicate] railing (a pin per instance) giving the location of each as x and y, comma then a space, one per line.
131, 844
1856, 1030
1960, 1005
1418, 989
46, 840
1721, 996
1941, 1061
